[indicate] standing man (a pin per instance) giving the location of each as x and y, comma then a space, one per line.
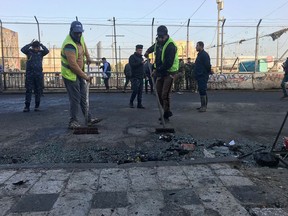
73, 55
285, 79
178, 79
167, 65
189, 76
128, 74
136, 63
202, 72
106, 72
35, 51
148, 77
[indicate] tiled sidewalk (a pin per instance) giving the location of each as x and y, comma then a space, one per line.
211, 190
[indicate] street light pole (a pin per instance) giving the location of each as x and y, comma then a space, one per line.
257, 46
220, 6
115, 46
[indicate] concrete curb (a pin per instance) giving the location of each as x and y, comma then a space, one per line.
114, 165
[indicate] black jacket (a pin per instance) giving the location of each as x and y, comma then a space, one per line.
202, 65
169, 55
137, 67
34, 59
127, 70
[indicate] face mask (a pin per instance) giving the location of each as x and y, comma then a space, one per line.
76, 37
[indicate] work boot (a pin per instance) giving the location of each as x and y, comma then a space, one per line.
140, 106
94, 121
36, 109
131, 105
168, 114
27, 107
73, 124
203, 104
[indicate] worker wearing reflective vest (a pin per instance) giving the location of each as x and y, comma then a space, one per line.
166, 66
73, 55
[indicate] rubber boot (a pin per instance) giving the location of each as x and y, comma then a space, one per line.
27, 107
36, 109
203, 104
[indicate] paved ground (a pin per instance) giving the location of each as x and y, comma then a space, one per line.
204, 190
38, 152
250, 118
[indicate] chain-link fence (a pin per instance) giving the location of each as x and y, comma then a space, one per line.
240, 48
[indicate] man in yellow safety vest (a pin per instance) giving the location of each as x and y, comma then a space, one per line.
74, 53
166, 66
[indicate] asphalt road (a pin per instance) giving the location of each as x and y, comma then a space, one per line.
250, 118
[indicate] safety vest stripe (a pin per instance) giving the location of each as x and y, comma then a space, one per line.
65, 65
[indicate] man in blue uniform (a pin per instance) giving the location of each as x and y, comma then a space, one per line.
202, 72
35, 51
136, 63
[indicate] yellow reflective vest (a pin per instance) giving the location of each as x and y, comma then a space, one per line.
175, 67
66, 72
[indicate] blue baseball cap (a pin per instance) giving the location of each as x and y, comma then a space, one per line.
76, 27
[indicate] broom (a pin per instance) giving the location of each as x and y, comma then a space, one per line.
89, 129
163, 129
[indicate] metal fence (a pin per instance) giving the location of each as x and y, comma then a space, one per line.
16, 80
240, 41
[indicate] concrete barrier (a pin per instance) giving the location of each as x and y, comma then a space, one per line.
245, 80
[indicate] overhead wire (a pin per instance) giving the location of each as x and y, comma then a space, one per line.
190, 17
276, 9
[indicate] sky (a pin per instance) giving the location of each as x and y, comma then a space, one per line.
133, 22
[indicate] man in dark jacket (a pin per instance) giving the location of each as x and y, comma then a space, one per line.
166, 65
202, 72
127, 73
148, 77
285, 79
136, 63
189, 76
106, 73
35, 51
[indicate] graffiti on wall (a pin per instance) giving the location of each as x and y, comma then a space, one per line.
268, 80
245, 81
230, 81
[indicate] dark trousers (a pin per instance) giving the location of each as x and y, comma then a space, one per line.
148, 80
137, 88
127, 80
202, 85
33, 83
77, 96
178, 82
163, 87
285, 79
106, 80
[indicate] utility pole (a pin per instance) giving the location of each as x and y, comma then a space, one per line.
114, 36
187, 44
115, 46
222, 44
220, 6
120, 69
3, 62
257, 46
152, 38
54, 58
38, 27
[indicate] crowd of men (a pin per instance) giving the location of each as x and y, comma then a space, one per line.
166, 70
160, 75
